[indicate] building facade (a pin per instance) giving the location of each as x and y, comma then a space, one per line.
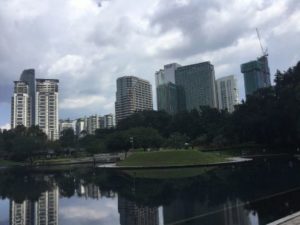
227, 93
21, 105
134, 214
92, 124
256, 75
46, 106
196, 86
80, 126
133, 94
28, 76
67, 124
166, 90
109, 121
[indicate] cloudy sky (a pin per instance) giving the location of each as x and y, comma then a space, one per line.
87, 44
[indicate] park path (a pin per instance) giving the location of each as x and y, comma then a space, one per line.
293, 219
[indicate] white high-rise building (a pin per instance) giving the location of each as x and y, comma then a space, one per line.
227, 93
133, 95
20, 105
46, 115
67, 124
92, 124
109, 121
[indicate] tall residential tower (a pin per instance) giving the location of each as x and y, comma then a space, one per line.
28, 76
21, 105
46, 106
133, 94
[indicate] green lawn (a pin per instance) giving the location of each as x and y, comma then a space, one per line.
172, 158
10, 163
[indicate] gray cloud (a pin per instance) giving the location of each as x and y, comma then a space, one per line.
87, 47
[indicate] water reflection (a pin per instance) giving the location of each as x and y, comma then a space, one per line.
42, 212
134, 214
251, 194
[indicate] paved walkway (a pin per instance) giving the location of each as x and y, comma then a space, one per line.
293, 219
231, 161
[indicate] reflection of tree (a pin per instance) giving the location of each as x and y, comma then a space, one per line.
19, 185
217, 189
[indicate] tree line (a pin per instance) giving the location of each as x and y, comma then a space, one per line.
270, 117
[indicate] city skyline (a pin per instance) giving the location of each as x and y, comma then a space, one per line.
87, 58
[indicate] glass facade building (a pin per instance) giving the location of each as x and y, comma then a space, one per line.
256, 75
28, 76
196, 84
166, 90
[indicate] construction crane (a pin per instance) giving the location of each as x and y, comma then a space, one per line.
264, 51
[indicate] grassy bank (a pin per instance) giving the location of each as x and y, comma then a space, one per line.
6, 163
172, 158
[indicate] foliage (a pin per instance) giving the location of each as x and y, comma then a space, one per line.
67, 138
22, 143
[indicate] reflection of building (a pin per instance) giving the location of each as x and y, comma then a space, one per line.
133, 214
42, 212
235, 214
133, 94
196, 212
92, 191
227, 93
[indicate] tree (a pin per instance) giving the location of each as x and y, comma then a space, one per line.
176, 140
118, 141
67, 138
144, 137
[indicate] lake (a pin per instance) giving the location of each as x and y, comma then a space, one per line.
247, 194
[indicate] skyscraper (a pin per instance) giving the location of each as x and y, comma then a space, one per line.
256, 74
196, 86
21, 105
166, 90
227, 93
28, 76
46, 107
133, 94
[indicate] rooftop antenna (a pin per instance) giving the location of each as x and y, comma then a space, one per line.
264, 51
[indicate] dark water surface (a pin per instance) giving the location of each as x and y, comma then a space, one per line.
254, 193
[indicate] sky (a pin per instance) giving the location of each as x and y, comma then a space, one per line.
87, 44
